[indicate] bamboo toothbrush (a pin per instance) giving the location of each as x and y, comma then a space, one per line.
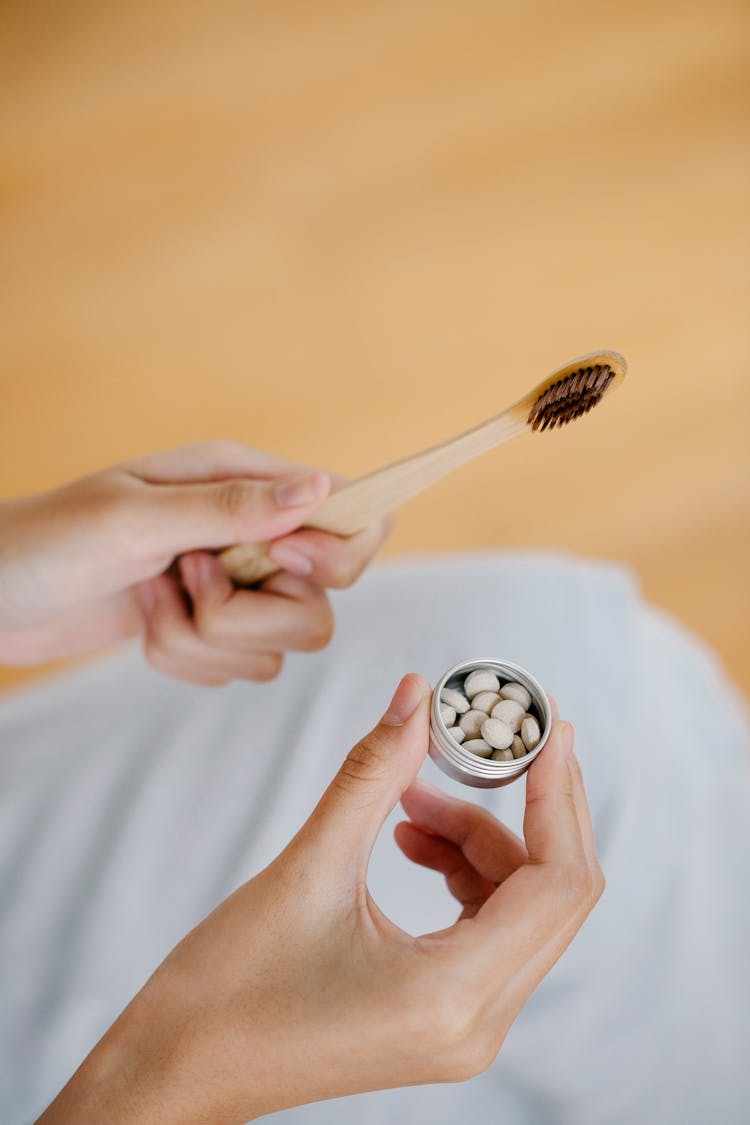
565, 395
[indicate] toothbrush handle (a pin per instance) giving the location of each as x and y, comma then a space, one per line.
369, 498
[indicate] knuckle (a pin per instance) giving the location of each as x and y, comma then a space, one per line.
320, 629
208, 625
164, 663
342, 572
471, 1057
460, 1042
267, 668
576, 882
159, 636
167, 639
365, 762
451, 1018
155, 655
234, 497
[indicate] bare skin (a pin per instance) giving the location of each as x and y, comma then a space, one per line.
94, 562
298, 988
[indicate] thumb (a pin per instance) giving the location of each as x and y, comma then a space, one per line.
215, 514
374, 774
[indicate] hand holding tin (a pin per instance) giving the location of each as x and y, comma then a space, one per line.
298, 987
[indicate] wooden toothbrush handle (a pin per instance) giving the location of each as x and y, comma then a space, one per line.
369, 498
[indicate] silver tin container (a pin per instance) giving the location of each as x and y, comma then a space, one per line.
469, 768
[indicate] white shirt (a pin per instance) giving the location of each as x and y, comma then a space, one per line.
131, 804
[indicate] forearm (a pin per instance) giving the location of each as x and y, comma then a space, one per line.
155, 1064
114, 1082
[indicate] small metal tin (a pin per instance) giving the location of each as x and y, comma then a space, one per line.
461, 764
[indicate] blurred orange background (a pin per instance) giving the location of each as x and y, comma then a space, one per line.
344, 231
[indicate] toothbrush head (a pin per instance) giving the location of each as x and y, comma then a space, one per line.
575, 389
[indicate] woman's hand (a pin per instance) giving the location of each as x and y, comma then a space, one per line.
87, 564
298, 988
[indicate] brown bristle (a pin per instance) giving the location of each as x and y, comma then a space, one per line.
570, 397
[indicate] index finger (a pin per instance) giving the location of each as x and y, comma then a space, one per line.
330, 560
209, 461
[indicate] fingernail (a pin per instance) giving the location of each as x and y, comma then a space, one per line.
566, 740
300, 490
404, 703
146, 596
291, 559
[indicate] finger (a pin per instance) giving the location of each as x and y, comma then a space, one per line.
167, 639
210, 461
584, 814
215, 669
551, 828
375, 773
526, 979
163, 607
206, 580
287, 614
176, 518
463, 881
173, 647
212, 669
489, 846
538, 901
330, 560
